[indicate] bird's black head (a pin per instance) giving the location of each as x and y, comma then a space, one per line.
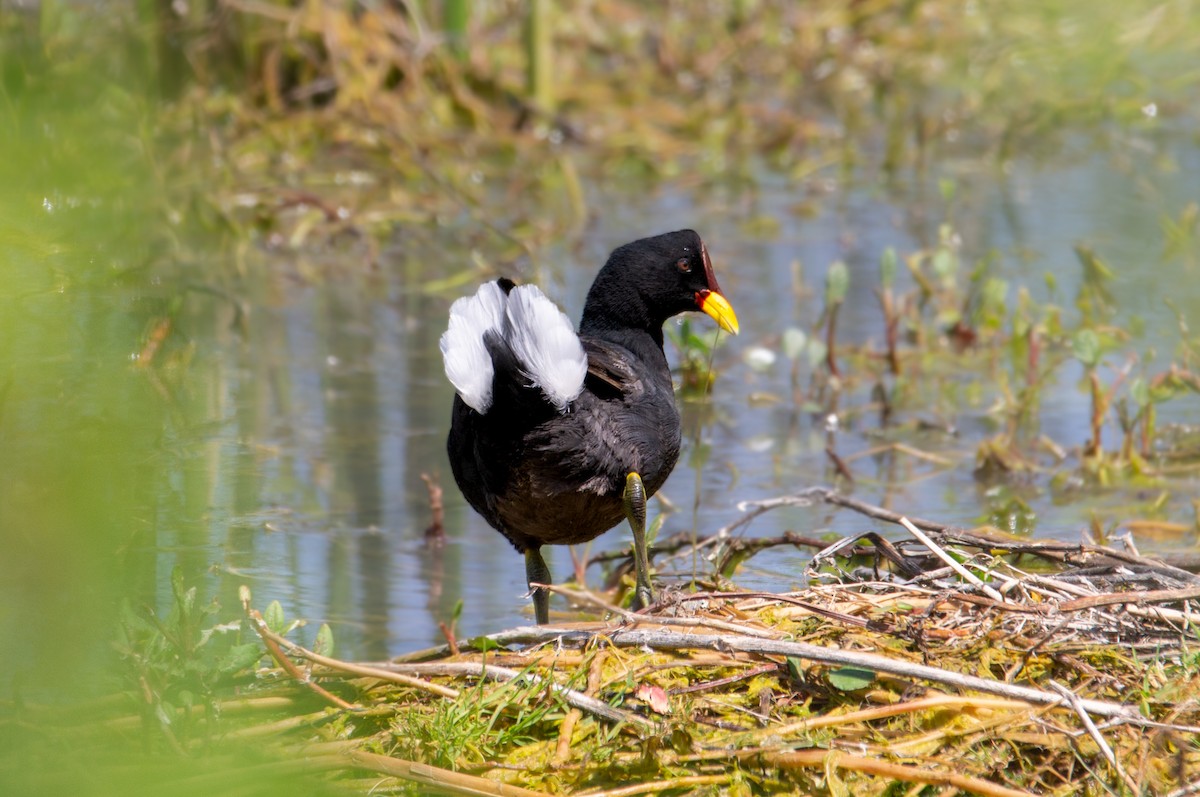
647, 281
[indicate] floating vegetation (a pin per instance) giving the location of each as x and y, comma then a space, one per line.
962, 659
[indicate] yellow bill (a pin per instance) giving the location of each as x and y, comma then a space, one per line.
719, 309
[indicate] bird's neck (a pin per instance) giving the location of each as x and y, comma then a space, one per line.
621, 319
617, 312
620, 333
613, 307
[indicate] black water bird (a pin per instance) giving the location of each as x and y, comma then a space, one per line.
557, 436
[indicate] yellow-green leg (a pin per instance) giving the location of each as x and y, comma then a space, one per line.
536, 572
635, 511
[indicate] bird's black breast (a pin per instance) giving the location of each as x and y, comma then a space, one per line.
559, 479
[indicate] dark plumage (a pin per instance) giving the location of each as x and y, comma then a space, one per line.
571, 434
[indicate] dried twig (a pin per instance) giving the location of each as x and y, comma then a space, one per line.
839, 464
659, 785
443, 780
435, 532
885, 769
950, 561
1133, 597
1055, 551
272, 641
955, 702
667, 640
1189, 790
1094, 732
451, 640
478, 669
562, 751
653, 619
705, 686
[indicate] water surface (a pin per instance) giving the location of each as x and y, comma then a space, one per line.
279, 435
322, 419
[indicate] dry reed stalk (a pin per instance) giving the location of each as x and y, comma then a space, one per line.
438, 778
884, 769
562, 751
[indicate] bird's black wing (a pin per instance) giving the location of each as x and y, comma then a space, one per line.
609, 373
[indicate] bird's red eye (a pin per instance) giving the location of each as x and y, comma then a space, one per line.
683, 265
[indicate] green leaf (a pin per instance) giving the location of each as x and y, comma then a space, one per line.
484, 644
188, 607
739, 787
995, 291
324, 641
185, 599
837, 283
733, 562
1094, 292
947, 187
944, 263
793, 342
794, 670
1140, 391
274, 617
887, 268
177, 589
816, 352
240, 657
681, 741
849, 679
1086, 347
1095, 270
992, 306
652, 531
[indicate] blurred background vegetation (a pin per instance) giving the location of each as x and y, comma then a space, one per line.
239, 108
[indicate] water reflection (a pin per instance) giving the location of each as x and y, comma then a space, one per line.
292, 452
352, 436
